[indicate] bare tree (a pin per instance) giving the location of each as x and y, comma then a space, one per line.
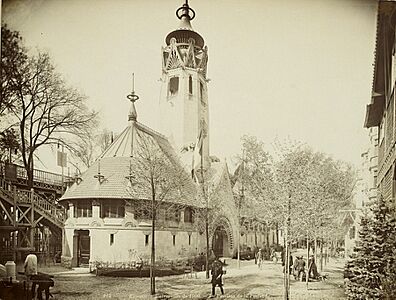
210, 202
158, 176
13, 60
88, 148
49, 109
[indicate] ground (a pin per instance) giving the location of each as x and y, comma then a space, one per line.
248, 282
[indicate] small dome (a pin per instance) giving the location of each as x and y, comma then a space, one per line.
185, 32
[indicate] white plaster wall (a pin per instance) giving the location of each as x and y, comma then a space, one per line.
129, 242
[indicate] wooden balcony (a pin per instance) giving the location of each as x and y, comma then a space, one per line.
41, 179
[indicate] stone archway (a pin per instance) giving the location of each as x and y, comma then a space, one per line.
222, 238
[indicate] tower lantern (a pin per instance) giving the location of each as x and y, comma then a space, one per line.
184, 97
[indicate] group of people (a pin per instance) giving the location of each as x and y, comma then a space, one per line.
297, 268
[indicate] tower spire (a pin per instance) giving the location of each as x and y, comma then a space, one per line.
132, 116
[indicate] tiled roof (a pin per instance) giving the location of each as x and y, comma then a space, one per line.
116, 163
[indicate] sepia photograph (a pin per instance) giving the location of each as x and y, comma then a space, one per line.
198, 149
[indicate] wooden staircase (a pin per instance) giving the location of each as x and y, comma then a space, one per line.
24, 213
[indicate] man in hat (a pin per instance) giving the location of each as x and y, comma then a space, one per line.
217, 274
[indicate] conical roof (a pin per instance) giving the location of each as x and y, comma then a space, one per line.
109, 176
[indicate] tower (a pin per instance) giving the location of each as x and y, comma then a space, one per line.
184, 98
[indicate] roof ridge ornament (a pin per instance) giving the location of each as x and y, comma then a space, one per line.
133, 98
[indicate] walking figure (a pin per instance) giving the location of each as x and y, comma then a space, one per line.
259, 258
217, 276
299, 268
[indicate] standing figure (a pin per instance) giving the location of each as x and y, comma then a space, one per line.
259, 258
217, 274
30, 267
299, 268
312, 268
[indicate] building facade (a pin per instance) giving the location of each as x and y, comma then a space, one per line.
380, 113
109, 219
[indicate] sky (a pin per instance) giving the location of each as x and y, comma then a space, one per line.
285, 69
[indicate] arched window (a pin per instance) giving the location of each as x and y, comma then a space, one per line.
173, 86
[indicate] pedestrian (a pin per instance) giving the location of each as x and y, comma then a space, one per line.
259, 258
312, 268
299, 268
30, 267
139, 265
217, 276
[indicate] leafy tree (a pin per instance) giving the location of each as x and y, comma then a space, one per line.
8, 143
301, 190
371, 274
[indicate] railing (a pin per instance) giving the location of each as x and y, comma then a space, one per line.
55, 214
38, 175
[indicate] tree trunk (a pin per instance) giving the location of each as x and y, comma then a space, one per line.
255, 236
267, 231
207, 244
30, 171
152, 265
286, 265
316, 248
277, 234
326, 253
306, 275
321, 255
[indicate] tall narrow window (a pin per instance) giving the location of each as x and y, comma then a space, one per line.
111, 239
189, 239
190, 83
173, 86
174, 240
146, 239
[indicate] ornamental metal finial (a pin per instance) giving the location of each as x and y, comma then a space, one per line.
184, 11
133, 98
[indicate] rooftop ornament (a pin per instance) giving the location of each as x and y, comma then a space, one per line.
133, 98
99, 176
184, 12
77, 178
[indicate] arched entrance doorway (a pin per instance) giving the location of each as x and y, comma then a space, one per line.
220, 242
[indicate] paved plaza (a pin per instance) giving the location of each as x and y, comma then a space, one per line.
248, 282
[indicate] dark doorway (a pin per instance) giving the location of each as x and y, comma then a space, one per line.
220, 242
82, 249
